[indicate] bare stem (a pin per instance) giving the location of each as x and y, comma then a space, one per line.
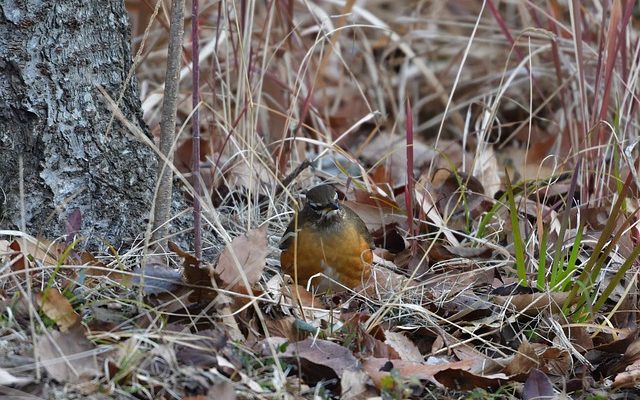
168, 124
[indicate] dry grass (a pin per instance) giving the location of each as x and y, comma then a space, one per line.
516, 86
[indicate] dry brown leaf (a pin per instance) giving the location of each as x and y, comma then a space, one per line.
580, 338
629, 378
283, 327
534, 303
515, 158
407, 350
353, 384
45, 251
369, 344
223, 304
384, 281
376, 217
252, 178
462, 350
67, 357
320, 359
487, 171
250, 251
299, 296
524, 361
17, 257
201, 350
555, 361
630, 358
426, 200
378, 368
460, 379
95, 268
537, 386
389, 151
55, 306
618, 343
193, 274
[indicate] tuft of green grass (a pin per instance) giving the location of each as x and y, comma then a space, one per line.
518, 242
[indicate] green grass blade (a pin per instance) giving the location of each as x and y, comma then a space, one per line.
617, 278
518, 244
573, 257
604, 238
542, 260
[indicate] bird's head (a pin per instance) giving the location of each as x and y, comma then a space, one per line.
322, 200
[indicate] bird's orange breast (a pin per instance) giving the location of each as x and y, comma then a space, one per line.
343, 255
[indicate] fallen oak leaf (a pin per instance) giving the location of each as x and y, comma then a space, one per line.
245, 255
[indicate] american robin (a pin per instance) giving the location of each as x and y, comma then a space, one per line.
331, 239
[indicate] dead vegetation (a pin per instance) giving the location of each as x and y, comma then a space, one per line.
490, 147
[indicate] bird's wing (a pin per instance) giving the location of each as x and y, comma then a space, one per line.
290, 233
362, 227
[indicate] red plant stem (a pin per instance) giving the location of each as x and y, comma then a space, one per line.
614, 46
195, 132
505, 31
408, 195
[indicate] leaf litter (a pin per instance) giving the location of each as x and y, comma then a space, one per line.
455, 307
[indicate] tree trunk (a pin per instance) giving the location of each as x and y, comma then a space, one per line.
54, 55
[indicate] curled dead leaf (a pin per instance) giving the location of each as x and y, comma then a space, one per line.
524, 360
55, 306
195, 276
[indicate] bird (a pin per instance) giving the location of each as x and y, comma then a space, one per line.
329, 238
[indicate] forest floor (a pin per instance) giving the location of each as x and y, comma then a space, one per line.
491, 150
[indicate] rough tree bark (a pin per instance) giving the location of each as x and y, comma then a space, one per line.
53, 57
